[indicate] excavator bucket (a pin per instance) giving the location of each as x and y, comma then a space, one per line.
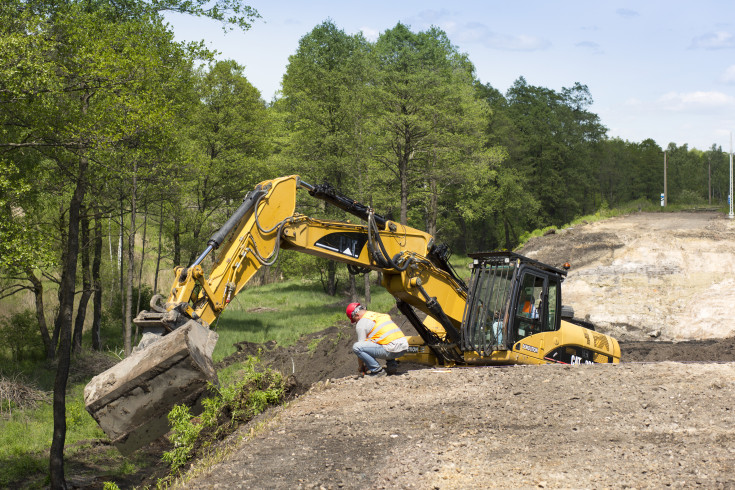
131, 400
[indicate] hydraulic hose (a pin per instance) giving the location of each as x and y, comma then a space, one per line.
389, 261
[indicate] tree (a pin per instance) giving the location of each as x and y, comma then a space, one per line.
428, 120
229, 134
324, 97
552, 145
76, 87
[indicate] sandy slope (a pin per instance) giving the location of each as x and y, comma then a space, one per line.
667, 275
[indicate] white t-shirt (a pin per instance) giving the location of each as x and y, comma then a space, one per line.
363, 327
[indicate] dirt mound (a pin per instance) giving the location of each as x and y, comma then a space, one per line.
602, 426
712, 350
328, 354
316, 357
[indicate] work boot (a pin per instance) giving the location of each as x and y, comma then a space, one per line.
378, 372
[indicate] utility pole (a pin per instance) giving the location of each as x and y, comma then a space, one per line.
729, 197
666, 194
709, 178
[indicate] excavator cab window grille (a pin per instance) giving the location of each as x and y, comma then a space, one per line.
486, 316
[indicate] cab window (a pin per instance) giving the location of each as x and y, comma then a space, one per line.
530, 307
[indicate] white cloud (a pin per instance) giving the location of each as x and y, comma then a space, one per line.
431, 17
370, 34
474, 32
695, 101
714, 40
591, 46
626, 13
482, 34
729, 75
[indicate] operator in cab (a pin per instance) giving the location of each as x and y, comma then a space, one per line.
378, 337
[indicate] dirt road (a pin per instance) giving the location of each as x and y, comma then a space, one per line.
640, 424
626, 426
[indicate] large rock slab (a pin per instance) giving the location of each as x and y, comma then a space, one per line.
131, 400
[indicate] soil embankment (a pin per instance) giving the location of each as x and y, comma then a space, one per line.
648, 422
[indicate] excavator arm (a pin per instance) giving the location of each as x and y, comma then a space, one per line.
415, 271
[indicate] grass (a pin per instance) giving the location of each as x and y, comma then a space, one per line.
640, 205
284, 312
26, 437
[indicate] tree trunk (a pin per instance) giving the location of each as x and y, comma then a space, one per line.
403, 176
63, 324
331, 278
97, 283
177, 241
433, 208
48, 345
367, 288
131, 269
63, 244
158, 257
142, 259
120, 261
76, 344
353, 289
508, 231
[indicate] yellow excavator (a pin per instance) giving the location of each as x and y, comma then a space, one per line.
510, 312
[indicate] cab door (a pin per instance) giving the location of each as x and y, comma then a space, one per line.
537, 308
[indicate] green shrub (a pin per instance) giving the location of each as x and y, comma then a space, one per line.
115, 309
22, 335
688, 196
239, 402
185, 432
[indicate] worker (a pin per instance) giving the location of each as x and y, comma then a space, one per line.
498, 328
530, 308
378, 337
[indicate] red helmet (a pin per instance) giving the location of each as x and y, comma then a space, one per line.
351, 309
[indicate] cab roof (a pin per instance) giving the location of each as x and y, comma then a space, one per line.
499, 257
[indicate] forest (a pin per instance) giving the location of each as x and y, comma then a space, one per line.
121, 148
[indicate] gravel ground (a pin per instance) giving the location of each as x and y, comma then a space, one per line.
636, 425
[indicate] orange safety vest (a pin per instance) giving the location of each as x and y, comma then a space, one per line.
384, 331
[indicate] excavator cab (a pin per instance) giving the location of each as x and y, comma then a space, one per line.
514, 316
510, 297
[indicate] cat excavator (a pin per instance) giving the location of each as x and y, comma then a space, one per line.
510, 312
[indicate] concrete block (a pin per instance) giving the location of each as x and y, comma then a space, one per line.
131, 400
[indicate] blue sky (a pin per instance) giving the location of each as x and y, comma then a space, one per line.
656, 69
